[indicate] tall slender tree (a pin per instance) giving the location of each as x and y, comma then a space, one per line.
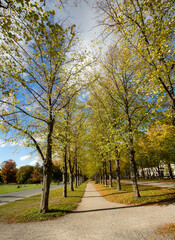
36, 70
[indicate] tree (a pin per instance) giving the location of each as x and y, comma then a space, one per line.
36, 77
147, 27
67, 134
8, 171
37, 174
24, 174
125, 87
156, 148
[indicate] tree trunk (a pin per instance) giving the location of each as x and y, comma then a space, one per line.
78, 176
65, 172
47, 171
170, 171
47, 168
110, 174
105, 172
70, 172
133, 172
101, 177
117, 170
76, 168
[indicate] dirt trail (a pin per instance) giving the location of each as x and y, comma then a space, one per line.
97, 219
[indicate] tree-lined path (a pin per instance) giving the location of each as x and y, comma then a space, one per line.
97, 218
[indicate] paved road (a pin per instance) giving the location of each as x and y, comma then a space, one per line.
9, 197
97, 219
155, 184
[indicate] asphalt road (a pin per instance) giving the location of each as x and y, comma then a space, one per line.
9, 197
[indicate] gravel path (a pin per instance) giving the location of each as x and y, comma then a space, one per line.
96, 219
10, 197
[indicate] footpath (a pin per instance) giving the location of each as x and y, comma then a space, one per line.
97, 219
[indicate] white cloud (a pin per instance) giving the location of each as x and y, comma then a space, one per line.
35, 160
33, 163
2, 144
26, 157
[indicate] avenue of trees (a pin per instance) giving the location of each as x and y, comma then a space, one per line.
104, 118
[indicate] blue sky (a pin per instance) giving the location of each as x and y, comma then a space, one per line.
84, 18
21, 155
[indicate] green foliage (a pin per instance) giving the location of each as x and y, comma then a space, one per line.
24, 174
146, 27
156, 146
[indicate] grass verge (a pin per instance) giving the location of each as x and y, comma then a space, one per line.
149, 194
14, 187
26, 210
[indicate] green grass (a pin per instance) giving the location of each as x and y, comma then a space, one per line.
149, 194
14, 187
26, 210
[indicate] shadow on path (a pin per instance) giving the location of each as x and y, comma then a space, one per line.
92, 210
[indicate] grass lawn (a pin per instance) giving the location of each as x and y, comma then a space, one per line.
13, 187
149, 194
26, 210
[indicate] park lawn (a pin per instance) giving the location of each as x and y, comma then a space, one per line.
149, 194
14, 187
26, 210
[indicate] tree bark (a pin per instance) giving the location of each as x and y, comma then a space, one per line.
170, 171
105, 172
70, 172
110, 174
117, 170
47, 170
78, 176
133, 172
65, 172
